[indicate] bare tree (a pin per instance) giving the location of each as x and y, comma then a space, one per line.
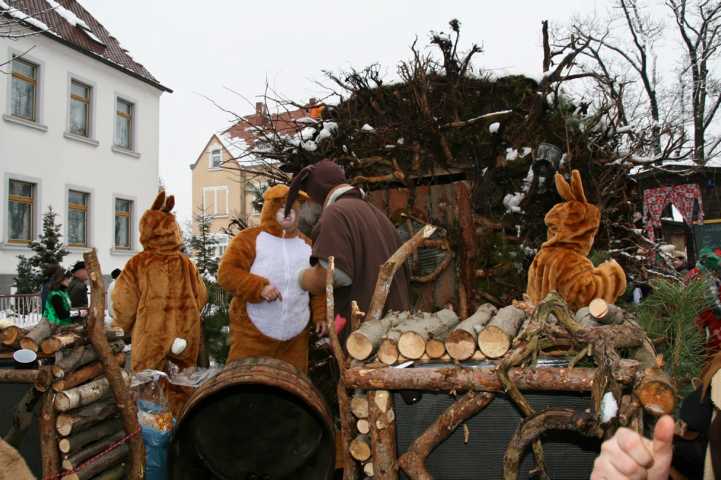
699, 24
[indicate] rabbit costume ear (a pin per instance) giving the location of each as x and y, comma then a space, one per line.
571, 192
159, 201
169, 204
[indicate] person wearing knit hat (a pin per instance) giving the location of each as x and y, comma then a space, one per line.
357, 234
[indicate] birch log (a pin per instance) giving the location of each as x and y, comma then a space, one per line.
359, 405
605, 313
84, 394
461, 341
80, 356
417, 330
360, 448
57, 342
11, 336
495, 340
84, 374
362, 342
41, 331
73, 461
79, 440
106, 462
82, 418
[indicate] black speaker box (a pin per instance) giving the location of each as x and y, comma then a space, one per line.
569, 456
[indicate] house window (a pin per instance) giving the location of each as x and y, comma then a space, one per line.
77, 218
216, 158
215, 201
124, 124
222, 245
123, 218
21, 208
23, 102
80, 108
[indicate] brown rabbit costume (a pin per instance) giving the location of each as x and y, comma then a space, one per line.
159, 295
562, 264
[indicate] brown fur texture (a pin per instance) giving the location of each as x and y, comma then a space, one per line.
159, 295
235, 277
562, 264
12, 464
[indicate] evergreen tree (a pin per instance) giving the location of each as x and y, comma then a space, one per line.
47, 250
203, 245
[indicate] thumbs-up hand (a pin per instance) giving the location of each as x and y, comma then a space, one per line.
629, 456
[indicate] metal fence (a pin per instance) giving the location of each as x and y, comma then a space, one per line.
24, 310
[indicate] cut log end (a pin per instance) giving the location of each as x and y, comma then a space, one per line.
598, 308
29, 344
411, 345
435, 348
368, 469
359, 346
493, 342
359, 406
657, 397
460, 345
363, 426
388, 352
360, 448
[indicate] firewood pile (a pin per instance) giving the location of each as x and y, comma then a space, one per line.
88, 423
602, 350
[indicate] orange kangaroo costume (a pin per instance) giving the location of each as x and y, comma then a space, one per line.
159, 295
258, 257
562, 264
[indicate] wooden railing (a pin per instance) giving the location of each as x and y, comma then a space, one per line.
22, 309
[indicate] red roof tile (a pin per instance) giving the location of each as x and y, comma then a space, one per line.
109, 51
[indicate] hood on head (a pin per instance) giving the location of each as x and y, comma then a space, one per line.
275, 199
317, 179
159, 231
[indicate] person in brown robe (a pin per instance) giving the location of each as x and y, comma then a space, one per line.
357, 234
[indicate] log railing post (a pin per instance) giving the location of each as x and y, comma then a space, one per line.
382, 419
48, 437
113, 372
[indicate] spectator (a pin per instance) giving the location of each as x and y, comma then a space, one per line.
78, 289
114, 275
58, 310
49, 272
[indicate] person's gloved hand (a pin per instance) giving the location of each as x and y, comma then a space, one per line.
629, 456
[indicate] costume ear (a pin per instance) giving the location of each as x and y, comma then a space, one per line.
169, 204
564, 190
159, 201
577, 187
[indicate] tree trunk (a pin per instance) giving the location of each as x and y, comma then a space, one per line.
413, 461
482, 378
85, 374
71, 462
383, 434
48, 438
462, 340
41, 331
495, 340
57, 342
362, 342
84, 394
360, 448
416, 330
106, 462
76, 441
81, 419
113, 372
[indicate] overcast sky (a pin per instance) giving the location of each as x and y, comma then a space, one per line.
203, 47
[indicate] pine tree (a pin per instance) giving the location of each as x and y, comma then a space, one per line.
47, 250
203, 245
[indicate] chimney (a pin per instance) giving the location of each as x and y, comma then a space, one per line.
312, 101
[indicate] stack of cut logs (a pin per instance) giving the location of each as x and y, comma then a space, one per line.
440, 336
360, 446
90, 434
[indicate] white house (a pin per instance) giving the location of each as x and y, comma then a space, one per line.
79, 132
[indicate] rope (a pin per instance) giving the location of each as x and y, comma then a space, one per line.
90, 460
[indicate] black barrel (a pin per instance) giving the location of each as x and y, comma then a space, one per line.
260, 418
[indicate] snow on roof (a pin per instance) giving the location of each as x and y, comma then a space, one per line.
22, 16
69, 16
238, 148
